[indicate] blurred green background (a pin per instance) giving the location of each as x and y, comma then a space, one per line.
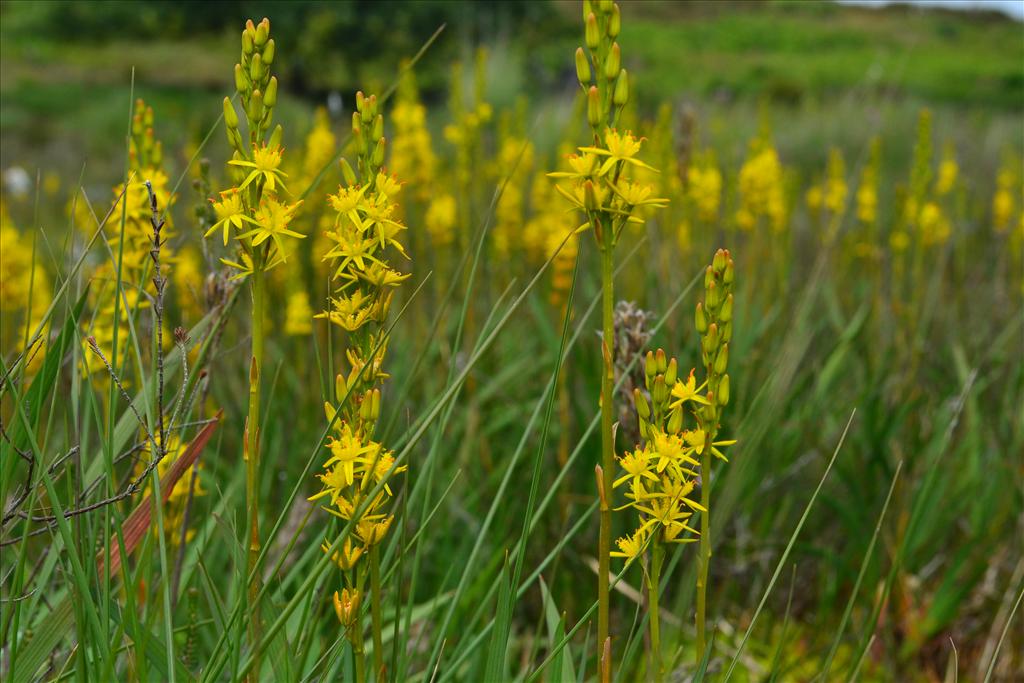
838, 74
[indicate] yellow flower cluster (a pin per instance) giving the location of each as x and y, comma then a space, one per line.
762, 188
1009, 188
662, 472
867, 191
254, 211
830, 195
25, 290
412, 156
704, 186
133, 251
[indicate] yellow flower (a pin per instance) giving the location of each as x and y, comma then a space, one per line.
635, 194
230, 212
346, 606
346, 557
272, 220
688, 391
630, 547
620, 147
264, 164
298, 314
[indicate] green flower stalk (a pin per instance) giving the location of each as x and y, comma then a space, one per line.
603, 191
255, 214
713, 320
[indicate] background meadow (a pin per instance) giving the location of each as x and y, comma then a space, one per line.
863, 167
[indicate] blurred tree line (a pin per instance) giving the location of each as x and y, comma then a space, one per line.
325, 45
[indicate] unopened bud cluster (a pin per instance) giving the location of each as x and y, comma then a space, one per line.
713, 319
601, 75
257, 90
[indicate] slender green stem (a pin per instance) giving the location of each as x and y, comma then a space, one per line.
378, 643
252, 452
704, 558
607, 439
356, 638
653, 588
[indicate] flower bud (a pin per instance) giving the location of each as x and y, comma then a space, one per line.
378, 127
730, 270
262, 33
230, 115
340, 387
606, 6
613, 62
643, 409
378, 153
593, 107
709, 277
700, 320
270, 97
255, 110
590, 202
376, 407
725, 315
675, 420
241, 80
727, 331
246, 42
347, 173
671, 373
276, 136
591, 34
718, 263
256, 69
712, 298
722, 360
268, 52
650, 367
582, 67
723, 391
621, 93
614, 22
710, 340
588, 9
659, 392
662, 360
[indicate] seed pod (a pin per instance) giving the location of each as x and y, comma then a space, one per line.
700, 320
268, 52
613, 62
614, 22
582, 67
621, 93
270, 97
593, 107
591, 33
